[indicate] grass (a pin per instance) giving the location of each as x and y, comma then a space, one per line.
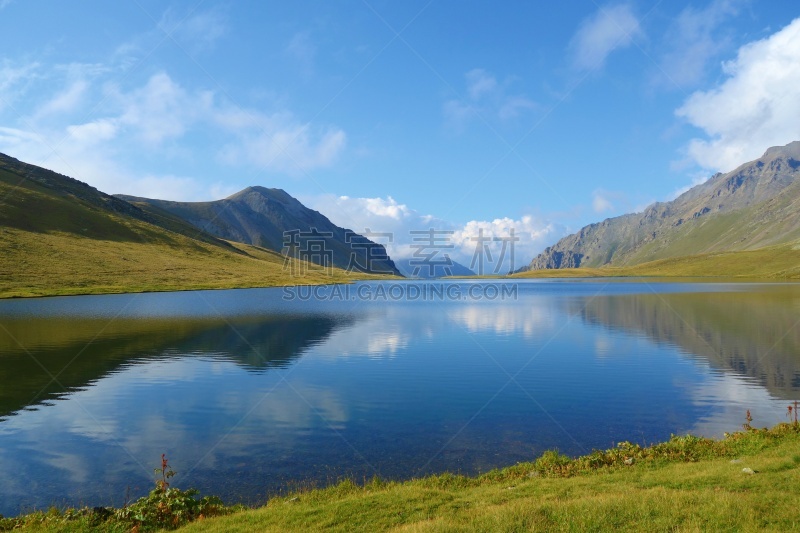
772, 262
54, 263
685, 484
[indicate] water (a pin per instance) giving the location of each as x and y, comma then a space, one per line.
250, 393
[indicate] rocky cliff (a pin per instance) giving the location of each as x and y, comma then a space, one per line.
755, 205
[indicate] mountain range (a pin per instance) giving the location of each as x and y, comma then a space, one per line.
757, 205
59, 235
272, 219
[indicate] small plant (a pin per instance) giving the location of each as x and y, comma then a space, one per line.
166, 473
792, 410
749, 419
169, 508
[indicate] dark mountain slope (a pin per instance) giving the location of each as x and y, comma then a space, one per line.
272, 219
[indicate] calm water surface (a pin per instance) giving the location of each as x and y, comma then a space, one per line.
250, 394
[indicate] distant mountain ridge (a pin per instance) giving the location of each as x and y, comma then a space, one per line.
425, 271
272, 219
753, 206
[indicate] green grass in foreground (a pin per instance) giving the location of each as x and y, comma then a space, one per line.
773, 262
685, 484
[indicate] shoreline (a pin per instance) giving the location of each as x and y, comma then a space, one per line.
570, 275
198, 287
769, 456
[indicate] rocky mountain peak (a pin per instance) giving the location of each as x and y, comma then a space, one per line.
752, 206
790, 151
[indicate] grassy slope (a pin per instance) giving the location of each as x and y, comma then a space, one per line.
60, 264
55, 243
767, 224
658, 495
772, 262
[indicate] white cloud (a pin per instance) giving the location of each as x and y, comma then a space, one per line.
693, 39
162, 109
5, 3
601, 202
377, 207
609, 29
754, 108
486, 98
193, 32
77, 156
480, 83
155, 117
487, 245
11, 135
280, 143
378, 215
474, 241
93, 132
513, 106
15, 79
66, 101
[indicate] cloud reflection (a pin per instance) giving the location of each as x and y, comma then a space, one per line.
529, 321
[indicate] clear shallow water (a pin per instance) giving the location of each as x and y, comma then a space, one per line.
250, 394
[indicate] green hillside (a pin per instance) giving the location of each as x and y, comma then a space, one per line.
780, 262
61, 236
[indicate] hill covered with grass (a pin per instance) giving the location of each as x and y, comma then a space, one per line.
778, 262
60, 236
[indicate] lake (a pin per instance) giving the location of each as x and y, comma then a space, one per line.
256, 392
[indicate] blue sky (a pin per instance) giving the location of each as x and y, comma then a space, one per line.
403, 115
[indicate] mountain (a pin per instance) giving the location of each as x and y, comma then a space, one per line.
754, 206
272, 219
408, 266
41, 201
59, 235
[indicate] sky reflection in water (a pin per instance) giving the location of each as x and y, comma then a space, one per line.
249, 394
